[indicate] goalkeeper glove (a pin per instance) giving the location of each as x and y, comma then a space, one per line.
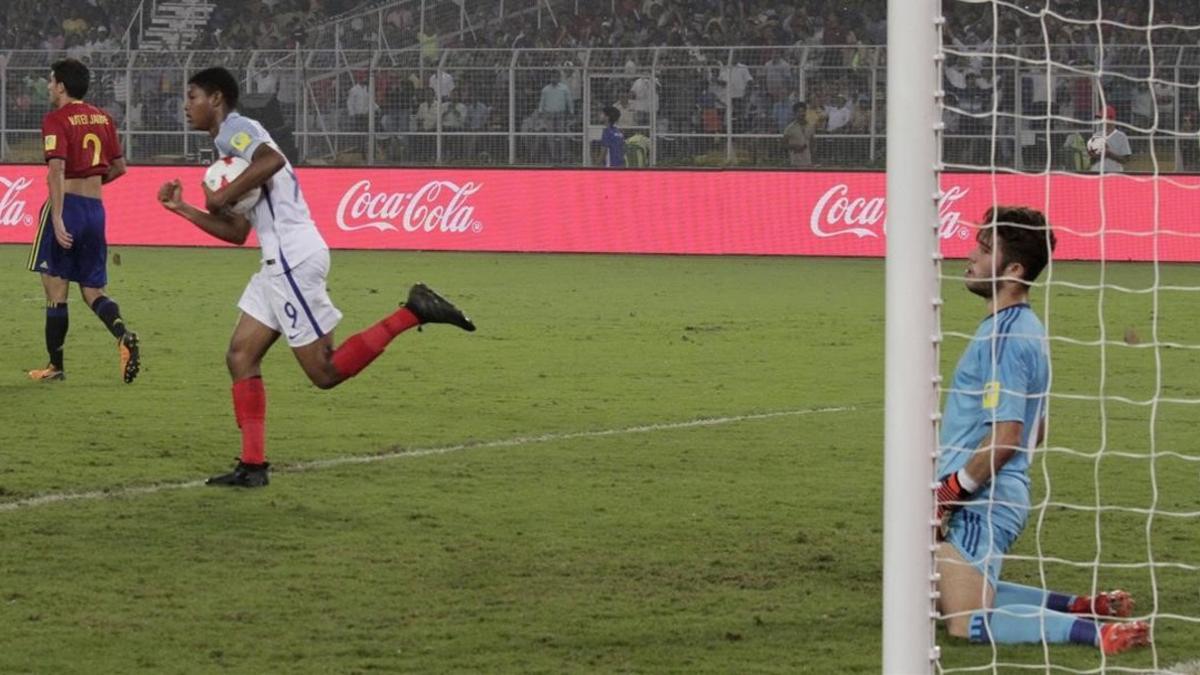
957, 487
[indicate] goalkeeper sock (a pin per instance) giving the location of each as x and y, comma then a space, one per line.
1015, 594
250, 411
360, 349
1015, 624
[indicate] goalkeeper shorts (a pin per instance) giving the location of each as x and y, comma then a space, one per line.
980, 539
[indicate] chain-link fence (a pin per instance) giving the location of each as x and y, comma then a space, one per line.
681, 107
1033, 108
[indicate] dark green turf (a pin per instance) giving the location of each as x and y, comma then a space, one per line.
591, 546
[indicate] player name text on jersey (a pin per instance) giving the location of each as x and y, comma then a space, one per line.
81, 120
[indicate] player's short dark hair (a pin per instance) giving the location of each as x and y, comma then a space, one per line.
217, 79
1026, 236
73, 76
798, 106
612, 114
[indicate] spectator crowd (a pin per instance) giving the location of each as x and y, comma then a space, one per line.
804, 85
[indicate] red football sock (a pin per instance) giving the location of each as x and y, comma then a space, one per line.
250, 410
360, 349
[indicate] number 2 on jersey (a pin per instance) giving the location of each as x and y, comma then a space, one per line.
95, 141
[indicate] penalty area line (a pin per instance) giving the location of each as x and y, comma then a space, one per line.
517, 441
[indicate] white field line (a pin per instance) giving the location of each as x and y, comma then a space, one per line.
134, 491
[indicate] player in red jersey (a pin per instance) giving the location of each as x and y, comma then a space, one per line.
83, 152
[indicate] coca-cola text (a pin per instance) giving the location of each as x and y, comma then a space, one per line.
835, 214
426, 209
12, 207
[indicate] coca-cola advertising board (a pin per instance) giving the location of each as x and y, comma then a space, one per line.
660, 211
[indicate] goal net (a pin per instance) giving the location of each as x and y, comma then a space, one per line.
1089, 111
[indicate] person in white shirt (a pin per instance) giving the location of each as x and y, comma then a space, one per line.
427, 116
442, 83
360, 107
555, 106
573, 78
838, 112
454, 114
454, 118
736, 78
1109, 146
556, 100
358, 100
779, 75
266, 82
428, 112
288, 295
645, 98
625, 108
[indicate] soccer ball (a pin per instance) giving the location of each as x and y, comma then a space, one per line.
1095, 144
222, 172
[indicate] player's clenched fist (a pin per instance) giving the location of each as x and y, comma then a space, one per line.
170, 195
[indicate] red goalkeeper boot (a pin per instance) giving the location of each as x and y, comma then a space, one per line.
1116, 603
1121, 637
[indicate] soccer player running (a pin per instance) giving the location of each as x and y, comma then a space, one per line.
82, 153
994, 417
288, 294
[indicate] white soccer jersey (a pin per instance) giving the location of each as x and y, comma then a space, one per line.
285, 228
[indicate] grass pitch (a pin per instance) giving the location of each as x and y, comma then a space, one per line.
638, 464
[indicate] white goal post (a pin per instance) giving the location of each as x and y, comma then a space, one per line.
911, 355
1088, 112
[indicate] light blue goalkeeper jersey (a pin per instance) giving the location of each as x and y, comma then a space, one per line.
1003, 376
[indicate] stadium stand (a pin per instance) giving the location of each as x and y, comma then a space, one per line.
699, 82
